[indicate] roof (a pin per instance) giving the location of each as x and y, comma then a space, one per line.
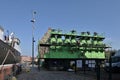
26, 58
117, 53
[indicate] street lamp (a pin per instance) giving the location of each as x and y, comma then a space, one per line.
33, 21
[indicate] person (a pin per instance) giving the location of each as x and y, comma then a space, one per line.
38, 64
19, 66
14, 69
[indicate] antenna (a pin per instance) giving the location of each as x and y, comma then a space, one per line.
7, 33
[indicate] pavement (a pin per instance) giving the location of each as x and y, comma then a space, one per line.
35, 74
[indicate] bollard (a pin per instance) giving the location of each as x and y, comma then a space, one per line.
14, 78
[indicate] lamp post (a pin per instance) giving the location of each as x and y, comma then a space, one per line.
33, 21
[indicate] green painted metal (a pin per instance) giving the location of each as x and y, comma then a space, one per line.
73, 45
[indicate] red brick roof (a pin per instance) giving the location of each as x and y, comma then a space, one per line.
26, 58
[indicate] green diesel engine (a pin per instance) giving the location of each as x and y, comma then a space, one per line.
72, 45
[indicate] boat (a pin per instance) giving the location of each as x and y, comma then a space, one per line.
10, 52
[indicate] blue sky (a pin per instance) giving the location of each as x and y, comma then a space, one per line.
102, 16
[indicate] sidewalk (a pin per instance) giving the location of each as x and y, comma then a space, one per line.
35, 74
